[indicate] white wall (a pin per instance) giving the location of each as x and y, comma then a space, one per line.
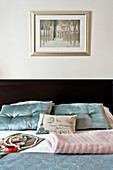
15, 59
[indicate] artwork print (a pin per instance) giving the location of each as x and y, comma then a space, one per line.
60, 33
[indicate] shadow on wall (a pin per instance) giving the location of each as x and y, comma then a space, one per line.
1, 72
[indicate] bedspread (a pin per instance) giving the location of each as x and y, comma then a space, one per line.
41, 161
36, 160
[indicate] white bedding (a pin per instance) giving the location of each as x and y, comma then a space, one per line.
41, 147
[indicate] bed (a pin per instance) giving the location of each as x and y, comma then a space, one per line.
60, 92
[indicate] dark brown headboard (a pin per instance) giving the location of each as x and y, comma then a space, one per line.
59, 91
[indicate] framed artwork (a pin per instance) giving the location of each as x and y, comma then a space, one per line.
60, 33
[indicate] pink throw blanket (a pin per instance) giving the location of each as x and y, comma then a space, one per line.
95, 142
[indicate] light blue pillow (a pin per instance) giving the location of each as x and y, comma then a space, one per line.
21, 117
89, 116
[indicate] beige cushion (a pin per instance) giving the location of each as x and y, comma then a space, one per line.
58, 124
109, 116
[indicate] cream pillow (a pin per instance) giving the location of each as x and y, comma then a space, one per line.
55, 123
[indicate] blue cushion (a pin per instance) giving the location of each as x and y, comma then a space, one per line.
89, 116
21, 117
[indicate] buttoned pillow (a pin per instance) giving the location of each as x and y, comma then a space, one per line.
21, 117
89, 115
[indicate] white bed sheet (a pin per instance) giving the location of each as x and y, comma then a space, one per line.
41, 147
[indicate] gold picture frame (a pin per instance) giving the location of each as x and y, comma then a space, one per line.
60, 33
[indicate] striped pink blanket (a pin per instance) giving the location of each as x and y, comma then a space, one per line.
95, 142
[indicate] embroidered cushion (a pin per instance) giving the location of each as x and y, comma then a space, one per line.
58, 124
